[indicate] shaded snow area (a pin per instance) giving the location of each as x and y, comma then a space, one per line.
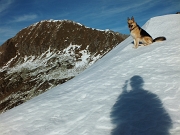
127, 92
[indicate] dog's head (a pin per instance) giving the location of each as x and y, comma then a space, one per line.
131, 23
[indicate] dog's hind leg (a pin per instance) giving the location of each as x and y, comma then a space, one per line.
147, 41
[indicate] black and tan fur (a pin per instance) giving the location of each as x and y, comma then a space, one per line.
140, 35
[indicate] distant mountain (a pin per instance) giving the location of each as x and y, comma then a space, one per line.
46, 54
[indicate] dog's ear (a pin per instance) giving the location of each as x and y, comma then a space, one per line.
132, 18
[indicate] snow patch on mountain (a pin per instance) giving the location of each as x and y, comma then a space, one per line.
68, 55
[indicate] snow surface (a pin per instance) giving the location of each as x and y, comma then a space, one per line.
128, 92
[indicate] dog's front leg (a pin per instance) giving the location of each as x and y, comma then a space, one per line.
136, 43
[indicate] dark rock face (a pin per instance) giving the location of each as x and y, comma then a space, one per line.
46, 54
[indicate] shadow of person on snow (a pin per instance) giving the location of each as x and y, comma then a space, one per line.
139, 112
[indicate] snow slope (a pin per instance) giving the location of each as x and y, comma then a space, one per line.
129, 92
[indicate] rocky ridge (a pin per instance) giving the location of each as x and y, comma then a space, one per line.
46, 54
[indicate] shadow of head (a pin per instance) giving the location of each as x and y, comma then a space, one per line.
136, 82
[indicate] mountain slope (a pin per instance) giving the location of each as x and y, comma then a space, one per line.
46, 54
134, 91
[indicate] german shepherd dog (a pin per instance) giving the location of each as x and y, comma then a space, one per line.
140, 35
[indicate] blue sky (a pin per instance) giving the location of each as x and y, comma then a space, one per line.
100, 14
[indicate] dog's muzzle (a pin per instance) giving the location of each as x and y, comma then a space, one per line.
130, 26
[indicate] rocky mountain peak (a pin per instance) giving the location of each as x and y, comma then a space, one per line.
46, 54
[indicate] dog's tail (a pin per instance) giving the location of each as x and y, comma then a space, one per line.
159, 39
